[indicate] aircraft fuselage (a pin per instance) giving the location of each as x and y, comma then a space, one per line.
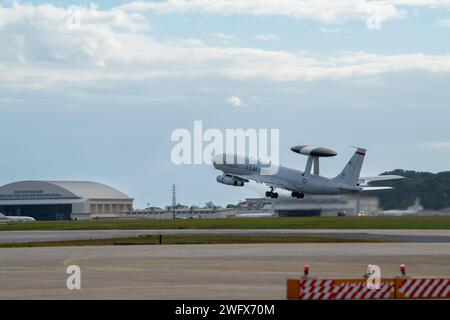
287, 178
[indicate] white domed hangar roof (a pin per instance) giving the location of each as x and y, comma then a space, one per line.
60, 190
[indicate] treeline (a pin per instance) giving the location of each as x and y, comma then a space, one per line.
432, 189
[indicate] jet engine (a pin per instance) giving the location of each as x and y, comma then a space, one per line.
230, 181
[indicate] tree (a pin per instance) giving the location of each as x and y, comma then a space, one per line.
432, 189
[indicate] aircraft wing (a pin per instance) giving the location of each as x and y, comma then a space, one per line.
269, 181
376, 188
364, 181
277, 185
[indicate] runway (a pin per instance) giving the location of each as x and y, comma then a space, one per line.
367, 234
241, 271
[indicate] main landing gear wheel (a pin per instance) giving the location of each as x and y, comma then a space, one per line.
271, 194
300, 195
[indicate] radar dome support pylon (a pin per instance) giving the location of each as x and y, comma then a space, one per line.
313, 153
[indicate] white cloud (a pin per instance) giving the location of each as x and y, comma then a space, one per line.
325, 11
330, 30
444, 23
223, 36
39, 51
267, 37
438, 145
223, 39
235, 101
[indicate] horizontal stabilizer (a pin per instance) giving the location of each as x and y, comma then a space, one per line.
376, 188
366, 180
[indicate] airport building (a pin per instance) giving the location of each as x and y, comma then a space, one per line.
178, 213
313, 205
62, 200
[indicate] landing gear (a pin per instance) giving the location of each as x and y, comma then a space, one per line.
300, 195
271, 194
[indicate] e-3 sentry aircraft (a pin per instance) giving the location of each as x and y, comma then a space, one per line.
239, 170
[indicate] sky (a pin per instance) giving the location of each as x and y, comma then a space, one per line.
93, 90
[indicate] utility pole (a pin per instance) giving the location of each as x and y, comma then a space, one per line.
174, 199
174, 195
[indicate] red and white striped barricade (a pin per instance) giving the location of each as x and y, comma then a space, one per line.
357, 289
323, 289
423, 288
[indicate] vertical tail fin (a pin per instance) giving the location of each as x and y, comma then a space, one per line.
350, 173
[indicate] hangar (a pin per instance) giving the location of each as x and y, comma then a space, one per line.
61, 200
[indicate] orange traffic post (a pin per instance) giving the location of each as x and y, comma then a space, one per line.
293, 289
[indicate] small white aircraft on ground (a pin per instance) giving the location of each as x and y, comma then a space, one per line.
4, 218
241, 170
255, 215
414, 209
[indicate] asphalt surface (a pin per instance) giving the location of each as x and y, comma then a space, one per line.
240, 271
367, 234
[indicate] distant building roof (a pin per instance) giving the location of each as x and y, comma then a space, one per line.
88, 189
59, 189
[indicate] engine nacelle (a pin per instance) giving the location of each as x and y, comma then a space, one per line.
229, 181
